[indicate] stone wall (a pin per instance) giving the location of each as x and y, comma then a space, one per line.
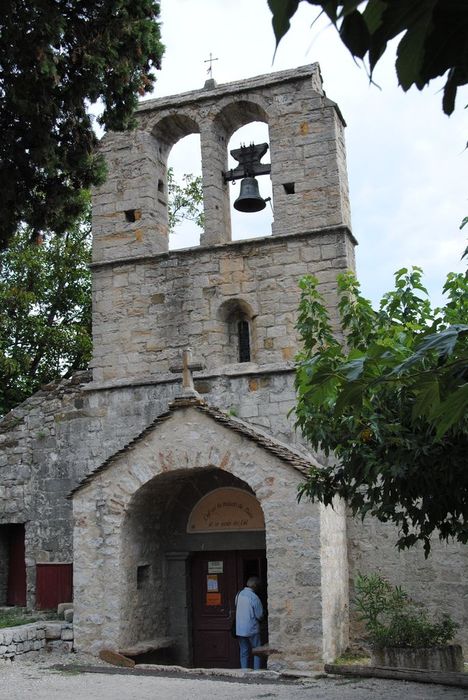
52, 440
80, 427
439, 582
40, 443
34, 637
145, 312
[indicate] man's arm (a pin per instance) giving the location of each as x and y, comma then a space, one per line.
258, 608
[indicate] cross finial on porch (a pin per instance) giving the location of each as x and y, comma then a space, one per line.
186, 369
187, 379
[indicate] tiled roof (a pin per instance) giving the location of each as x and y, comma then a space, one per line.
277, 448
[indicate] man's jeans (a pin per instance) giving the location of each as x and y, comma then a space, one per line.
246, 645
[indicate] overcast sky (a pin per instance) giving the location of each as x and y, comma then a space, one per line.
406, 159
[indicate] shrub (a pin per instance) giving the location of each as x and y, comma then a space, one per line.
392, 619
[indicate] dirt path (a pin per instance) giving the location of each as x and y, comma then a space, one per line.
38, 680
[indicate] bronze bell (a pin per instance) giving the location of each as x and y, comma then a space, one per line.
249, 199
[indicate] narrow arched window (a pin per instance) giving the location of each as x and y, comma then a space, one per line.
243, 334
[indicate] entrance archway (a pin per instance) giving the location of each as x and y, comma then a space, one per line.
190, 541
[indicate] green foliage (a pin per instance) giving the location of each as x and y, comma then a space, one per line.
57, 58
45, 311
185, 201
392, 619
390, 404
18, 616
45, 300
432, 36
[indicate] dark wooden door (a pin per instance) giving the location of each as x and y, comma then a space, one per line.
54, 585
216, 579
16, 586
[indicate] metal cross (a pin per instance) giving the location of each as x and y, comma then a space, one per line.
210, 67
187, 368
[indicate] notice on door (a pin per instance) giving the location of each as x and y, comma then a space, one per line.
215, 567
213, 599
212, 583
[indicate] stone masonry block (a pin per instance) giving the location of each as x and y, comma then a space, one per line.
67, 635
53, 630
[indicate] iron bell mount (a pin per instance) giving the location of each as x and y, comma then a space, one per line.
248, 157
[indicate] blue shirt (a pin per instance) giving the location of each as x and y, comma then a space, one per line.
249, 612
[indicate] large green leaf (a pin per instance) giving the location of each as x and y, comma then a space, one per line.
443, 343
427, 398
411, 49
451, 411
282, 11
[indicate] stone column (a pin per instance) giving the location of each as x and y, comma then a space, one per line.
215, 190
130, 207
179, 604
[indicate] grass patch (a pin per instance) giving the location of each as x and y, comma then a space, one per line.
19, 616
353, 658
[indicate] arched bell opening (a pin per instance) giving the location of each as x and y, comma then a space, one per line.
185, 193
250, 197
190, 540
178, 143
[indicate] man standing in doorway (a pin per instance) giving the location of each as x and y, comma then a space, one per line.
249, 612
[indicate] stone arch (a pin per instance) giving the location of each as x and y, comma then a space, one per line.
156, 552
238, 113
167, 132
171, 128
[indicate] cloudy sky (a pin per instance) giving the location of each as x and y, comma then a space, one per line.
406, 160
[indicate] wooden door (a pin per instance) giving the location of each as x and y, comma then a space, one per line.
214, 588
54, 585
16, 586
216, 579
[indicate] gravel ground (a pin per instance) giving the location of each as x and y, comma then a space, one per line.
37, 679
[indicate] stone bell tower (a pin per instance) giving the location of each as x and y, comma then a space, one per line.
149, 302
234, 303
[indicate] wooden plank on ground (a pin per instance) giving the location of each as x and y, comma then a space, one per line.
265, 650
404, 674
116, 659
147, 645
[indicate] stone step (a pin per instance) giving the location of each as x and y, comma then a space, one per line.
147, 645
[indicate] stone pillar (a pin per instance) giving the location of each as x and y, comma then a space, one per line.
334, 576
98, 573
308, 165
179, 604
215, 190
130, 208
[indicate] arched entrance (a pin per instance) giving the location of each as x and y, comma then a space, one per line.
190, 540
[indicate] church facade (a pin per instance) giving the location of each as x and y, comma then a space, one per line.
158, 500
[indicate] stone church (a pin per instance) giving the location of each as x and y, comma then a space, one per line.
152, 487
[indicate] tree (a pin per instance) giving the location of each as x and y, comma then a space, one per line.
45, 310
388, 407
185, 200
433, 41
45, 299
56, 59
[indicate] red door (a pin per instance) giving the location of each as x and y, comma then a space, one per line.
216, 579
16, 586
54, 585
